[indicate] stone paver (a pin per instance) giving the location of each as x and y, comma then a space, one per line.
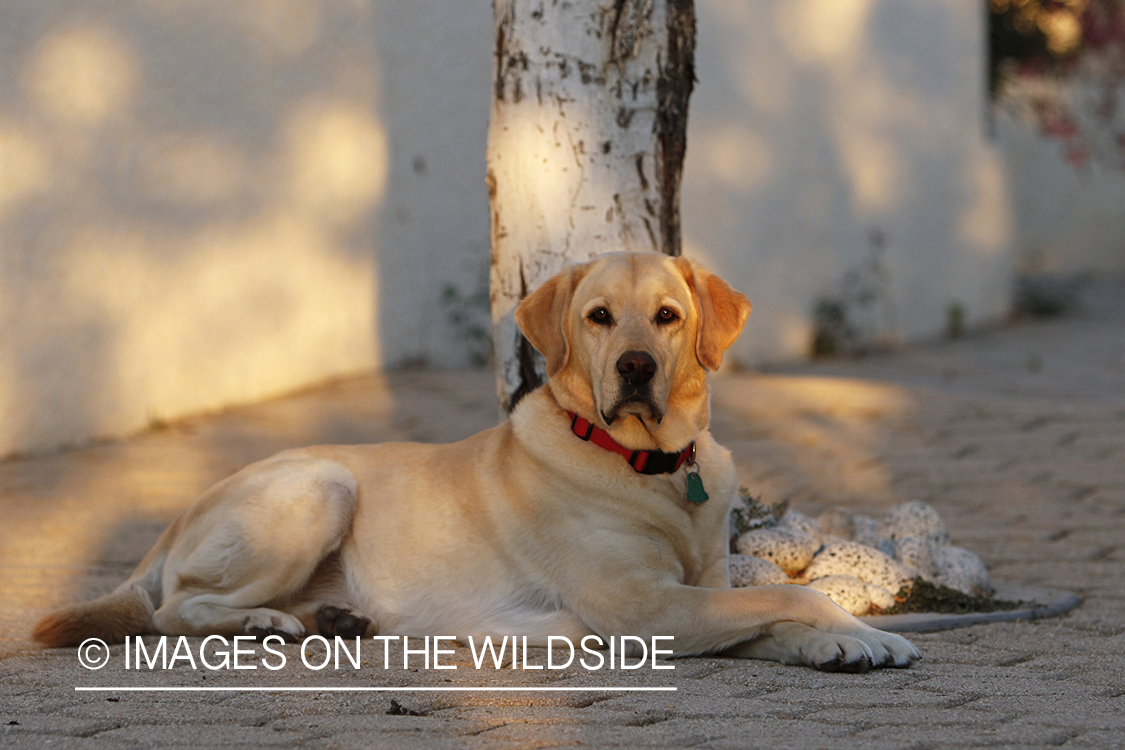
1016, 436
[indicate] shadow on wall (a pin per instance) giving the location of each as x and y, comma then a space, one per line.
839, 145
194, 198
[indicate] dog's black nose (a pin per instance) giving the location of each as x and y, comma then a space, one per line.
636, 368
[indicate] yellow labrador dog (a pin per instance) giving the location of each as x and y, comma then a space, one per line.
599, 507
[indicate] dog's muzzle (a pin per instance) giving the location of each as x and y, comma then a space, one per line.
636, 370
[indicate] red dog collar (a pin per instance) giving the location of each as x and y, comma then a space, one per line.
643, 462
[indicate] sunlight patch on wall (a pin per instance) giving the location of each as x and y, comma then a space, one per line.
25, 166
822, 31
737, 156
339, 160
245, 309
83, 76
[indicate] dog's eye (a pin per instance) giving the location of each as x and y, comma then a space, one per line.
666, 315
601, 316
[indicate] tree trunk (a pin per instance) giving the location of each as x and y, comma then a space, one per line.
585, 146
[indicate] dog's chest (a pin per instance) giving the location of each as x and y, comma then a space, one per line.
694, 532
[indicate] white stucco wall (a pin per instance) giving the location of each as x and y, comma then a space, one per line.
1071, 219
824, 130
204, 203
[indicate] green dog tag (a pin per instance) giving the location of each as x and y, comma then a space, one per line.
695, 491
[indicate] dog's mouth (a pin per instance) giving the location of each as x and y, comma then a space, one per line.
634, 403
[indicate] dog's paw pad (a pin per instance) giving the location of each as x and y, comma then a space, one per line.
332, 621
860, 665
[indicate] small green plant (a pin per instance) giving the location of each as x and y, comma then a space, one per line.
955, 320
832, 333
751, 513
468, 314
854, 318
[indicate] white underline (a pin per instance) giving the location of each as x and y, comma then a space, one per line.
370, 689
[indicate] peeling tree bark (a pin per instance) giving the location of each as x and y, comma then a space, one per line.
585, 146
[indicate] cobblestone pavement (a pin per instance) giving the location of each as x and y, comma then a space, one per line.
1016, 436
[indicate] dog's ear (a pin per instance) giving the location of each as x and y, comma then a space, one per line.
543, 317
722, 311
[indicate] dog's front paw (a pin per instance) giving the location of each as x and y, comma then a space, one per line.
887, 649
837, 653
901, 653
262, 623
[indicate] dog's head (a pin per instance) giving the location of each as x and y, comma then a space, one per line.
628, 339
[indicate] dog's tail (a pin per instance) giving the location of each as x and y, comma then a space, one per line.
127, 611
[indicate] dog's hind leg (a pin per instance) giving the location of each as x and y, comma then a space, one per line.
323, 606
254, 548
